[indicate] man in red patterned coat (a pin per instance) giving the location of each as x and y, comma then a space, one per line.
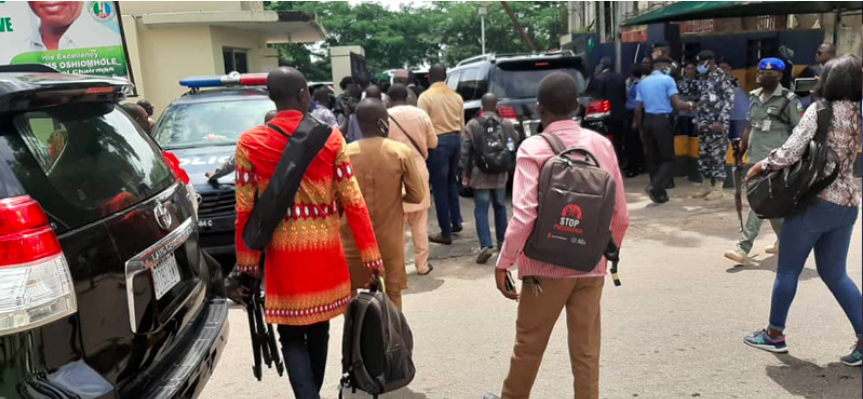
307, 278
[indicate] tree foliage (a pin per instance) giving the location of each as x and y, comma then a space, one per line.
414, 35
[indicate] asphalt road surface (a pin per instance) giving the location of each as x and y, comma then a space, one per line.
673, 330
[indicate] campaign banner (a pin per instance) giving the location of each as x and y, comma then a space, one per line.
78, 37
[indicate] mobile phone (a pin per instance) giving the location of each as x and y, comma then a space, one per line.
509, 284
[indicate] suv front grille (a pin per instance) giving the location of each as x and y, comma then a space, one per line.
217, 204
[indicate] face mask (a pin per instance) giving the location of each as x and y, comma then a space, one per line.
702, 69
667, 71
768, 82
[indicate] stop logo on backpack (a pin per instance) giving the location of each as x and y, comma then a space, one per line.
576, 206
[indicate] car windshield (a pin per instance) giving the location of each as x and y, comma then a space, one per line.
207, 124
523, 82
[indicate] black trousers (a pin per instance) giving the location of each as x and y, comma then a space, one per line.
618, 129
305, 351
659, 143
633, 146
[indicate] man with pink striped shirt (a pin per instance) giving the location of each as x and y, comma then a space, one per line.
548, 289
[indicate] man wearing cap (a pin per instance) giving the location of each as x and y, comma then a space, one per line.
774, 111
713, 122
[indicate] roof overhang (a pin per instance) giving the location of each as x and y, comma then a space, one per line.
696, 10
276, 27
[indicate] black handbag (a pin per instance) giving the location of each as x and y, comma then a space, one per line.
272, 206
784, 192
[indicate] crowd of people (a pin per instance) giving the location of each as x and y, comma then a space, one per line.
391, 152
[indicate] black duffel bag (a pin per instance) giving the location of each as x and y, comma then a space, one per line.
781, 193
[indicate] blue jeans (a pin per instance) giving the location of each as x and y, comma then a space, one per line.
481, 199
443, 166
305, 351
827, 228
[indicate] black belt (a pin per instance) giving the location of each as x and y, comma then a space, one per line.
662, 115
449, 134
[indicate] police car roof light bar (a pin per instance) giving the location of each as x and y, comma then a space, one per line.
231, 79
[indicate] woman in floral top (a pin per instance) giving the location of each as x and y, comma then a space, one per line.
828, 222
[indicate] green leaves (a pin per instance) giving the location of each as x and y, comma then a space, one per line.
423, 34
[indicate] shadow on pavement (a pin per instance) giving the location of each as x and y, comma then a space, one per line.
810, 381
405, 393
420, 284
770, 265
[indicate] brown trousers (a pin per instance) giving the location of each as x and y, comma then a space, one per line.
537, 315
419, 224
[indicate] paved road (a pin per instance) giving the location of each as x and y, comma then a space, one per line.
673, 330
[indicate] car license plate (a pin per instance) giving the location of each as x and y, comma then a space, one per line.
165, 276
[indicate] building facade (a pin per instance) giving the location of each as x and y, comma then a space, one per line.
168, 41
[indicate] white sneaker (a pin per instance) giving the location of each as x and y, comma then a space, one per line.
737, 255
773, 249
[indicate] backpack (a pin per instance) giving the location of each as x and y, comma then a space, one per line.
377, 347
784, 192
491, 153
576, 206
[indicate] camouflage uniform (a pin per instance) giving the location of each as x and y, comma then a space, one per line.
715, 104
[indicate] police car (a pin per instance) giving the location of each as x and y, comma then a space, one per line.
202, 128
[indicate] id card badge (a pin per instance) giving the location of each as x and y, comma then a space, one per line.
712, 97
765, 126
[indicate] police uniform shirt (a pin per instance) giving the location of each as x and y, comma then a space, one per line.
772, 121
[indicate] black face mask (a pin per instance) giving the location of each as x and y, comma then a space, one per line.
769, 83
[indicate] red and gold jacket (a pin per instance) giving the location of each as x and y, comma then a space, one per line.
307, 278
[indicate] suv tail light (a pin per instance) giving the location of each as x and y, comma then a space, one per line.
507, 112
35, 282
598, 109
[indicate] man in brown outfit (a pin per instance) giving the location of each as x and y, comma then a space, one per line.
383, 168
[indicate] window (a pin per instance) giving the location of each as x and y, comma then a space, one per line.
207, 124
86, 161
452, 80
235, 60
472, 84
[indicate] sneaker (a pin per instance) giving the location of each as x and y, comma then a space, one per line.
773, 249
484, 255
489, 396
761, 340
738, 255
855, 359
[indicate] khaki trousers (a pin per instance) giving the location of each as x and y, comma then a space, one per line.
419, 224
537, 314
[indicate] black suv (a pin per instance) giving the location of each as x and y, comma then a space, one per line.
514, 79
104, 290
202, 128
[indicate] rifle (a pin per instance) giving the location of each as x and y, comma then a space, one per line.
253, 332
738, 179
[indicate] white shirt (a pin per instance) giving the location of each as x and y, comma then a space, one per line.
85, 32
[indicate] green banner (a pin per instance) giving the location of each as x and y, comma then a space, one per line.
104, 61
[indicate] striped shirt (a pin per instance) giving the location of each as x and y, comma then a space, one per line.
532, 154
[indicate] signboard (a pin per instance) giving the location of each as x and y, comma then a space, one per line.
79, 37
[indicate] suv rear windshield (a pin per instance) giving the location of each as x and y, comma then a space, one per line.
208, 124
521, 79
83, 162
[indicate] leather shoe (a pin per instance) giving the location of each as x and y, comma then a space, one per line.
439, 239
658, 197
457, 228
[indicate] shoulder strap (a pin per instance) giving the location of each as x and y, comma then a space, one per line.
407, 134
301, 149
555, 142
825, 120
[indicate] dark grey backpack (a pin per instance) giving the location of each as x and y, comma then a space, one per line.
576, 205
377, 346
